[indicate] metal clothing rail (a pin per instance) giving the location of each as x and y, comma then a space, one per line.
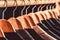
11, 3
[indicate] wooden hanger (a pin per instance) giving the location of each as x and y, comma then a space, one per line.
32, 24
30, 21
18, 26
47, 13
39, 15
15, 23
56, 13
34, 17
37, 29
28, 18
52, 14
6, 26
23, 22
43, 15
51, 25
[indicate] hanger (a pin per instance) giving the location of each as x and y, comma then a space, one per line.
21, 18
13, 21
50, 21
31, 22
49, 26
58, 13
4, 22
39, 12
32, 25
24, 24
33, 16
2, 35
44, 17
41, 15
28, 27
6, 27
51, 13
55, 13
18, 26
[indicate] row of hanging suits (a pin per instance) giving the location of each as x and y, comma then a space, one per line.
41, 25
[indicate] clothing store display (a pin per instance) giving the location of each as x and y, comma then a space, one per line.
29, 20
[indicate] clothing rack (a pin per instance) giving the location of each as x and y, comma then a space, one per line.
35, 25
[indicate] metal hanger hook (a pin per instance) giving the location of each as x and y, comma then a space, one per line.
53, 7
39, 8
27, 9
33, 8
42, 7
50, 6
23, 8
47, 7
15, 8
4, 9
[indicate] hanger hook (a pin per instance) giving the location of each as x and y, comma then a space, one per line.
42, 7
39, 7
53, 7
4, 9
47, 7
27, 9
34, 6
15, 8
23, 8
50, 6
